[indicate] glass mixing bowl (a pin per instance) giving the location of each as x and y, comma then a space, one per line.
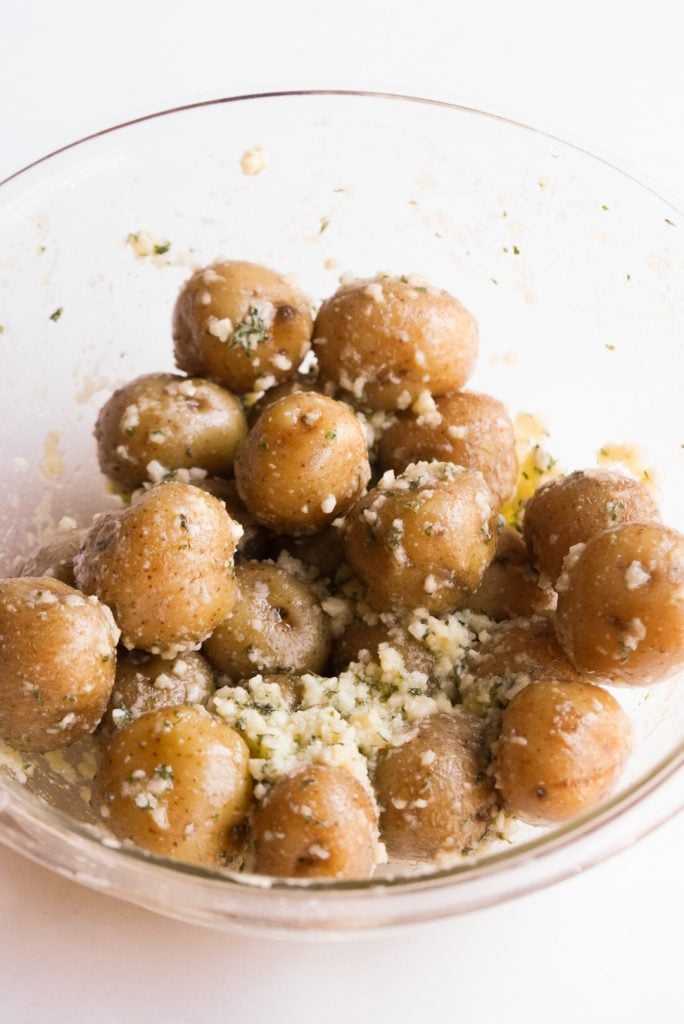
573, 268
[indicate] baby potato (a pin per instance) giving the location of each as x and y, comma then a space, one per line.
254, 541
164, 565
241, 324
424, 538
434, 794
276, 625
316, 823
571, 509
146, 682
303, 464
173, 422
510, 587
57, 661
56, 557
176, 782
620, 612
323, 551
563, 746
522, 648
387, 341
359, 636
467, 428
293, 386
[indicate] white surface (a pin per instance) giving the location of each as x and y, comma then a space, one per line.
604, 946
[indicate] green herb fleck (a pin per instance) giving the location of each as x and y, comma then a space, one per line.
37, 694
428, 529
394, 536
603, 206
250, 332
611, 348
516, 250
56, 315
493, 280
670, 222
325, 223
330, 435
159, 250
2, 328
263, 445
183, 521
164, 771
106, 658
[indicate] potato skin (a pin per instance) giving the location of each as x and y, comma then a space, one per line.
424, 539
193, 796
433, 791
323, 551
475, 431
164, 566
563, 746
359, 636
265, 320
387, 339
57, 661
254, 542
304, 463
523, 647
56, 557
571, 509
316, 823
177, 421
620, 612
510, 587
276, 626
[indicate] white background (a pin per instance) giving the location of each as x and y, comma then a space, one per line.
605, 946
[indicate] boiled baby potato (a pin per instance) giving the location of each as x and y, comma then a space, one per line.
176, 782
57, 661
359, 636
277, 625
388, 340
244, 325
293, 386
571, 509
316, 823
56, 557
526, 647
254, 542
304, 463
620, 612
434, 792
424, 538
164, 566
467, 428
510, 586
323, 551
168, 421
562, 749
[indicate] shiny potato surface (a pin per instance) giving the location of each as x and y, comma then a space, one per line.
293, 386
359, 636
424, 538
303, 464
387, 341
176, 422
254, 541
562, 749
620, 609
522, 647
434, 794
57, 661
317, 823
571, 509
470, 429
176, 782
56, 557
323, 551
164, 566
276, 626
241, 324
510, 586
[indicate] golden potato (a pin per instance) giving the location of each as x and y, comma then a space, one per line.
434, 793
522, 647
57, 661
510, 587
56, 557
244, 325
176, 782
467, 428
422, 539
563, 746
164, 566
571, 509
303, 464
359, 636
294, 386
254, 542
317, 823
164, 422
323, 551
277, 625
620, 609
389, 340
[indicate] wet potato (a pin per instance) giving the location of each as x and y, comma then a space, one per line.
55, 558
522, 648
323, 551
359, 636
510, 587
254, 542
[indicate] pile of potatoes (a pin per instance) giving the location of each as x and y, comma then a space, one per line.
125, 628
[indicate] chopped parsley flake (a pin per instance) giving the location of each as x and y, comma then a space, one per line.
516, 250
161, 248
611, 348
250, 332
56, 315
670, 222
394, 536
325, 223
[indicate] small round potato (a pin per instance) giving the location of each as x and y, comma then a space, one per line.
387, 341
241, 324
304, 463
571, 509
168, 421
423, 539
359, 636
176, 782
323, 551
277, 625
57, 661
294, 386
519, 651
317, 823
563, 746
510, 587
164, 566
467, 428
254, 542
434, 793
620, 609
56, 557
